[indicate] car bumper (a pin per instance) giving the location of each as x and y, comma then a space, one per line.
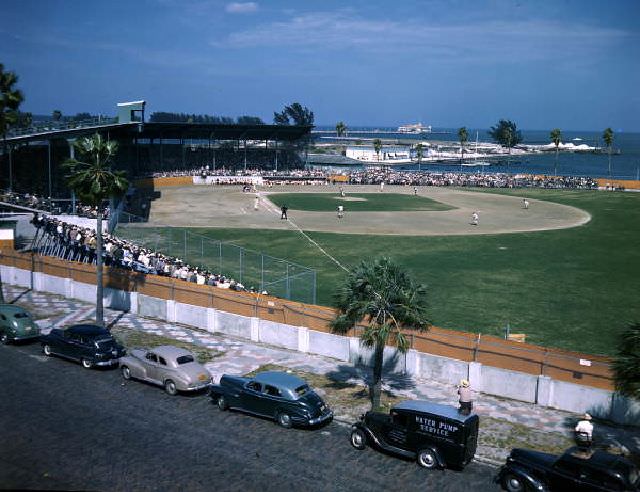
198, 386
323, 418
104, 363
30, 336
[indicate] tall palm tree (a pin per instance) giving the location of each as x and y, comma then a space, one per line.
377, 146
607, 136
93, 182
419, 153
626, 363
10, 100
341, 129
383, 296
463, 136
556, 138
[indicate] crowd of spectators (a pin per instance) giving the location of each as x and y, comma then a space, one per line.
52, 206
70, 242
396, 177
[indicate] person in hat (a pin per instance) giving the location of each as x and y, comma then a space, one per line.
465, 397
584, 431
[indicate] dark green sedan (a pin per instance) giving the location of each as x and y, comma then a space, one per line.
16, 324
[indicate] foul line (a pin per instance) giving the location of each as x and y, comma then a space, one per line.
271, 207
318, 246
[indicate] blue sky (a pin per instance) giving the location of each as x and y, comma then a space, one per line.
570, 64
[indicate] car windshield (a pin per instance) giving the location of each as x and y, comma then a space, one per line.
184, 359
302, 390
20, 315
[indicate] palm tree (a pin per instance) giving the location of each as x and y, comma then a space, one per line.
377, 146
94, 182
341, 129
10, 100
381, 294
463, 136
419, 153
626, 363
607, 136
556, 138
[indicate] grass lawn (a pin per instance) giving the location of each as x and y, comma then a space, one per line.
572, 288
356, 202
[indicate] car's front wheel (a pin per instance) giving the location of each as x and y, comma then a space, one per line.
126, 372
358, 439
513, 483
86, 363
284, 420
427, 458
46, 349
222, 403
170, 387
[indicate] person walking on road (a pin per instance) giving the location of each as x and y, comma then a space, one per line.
256, 202
525, 203
284, 209
465, 397
340, 211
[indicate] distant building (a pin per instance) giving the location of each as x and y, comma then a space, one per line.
387, 153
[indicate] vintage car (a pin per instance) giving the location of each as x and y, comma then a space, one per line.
433, 434
577, 469
277, 395
16, 324
91, 345
173, 368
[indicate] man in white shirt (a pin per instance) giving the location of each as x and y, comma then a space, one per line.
585, 428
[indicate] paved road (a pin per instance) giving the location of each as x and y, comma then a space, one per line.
64, 427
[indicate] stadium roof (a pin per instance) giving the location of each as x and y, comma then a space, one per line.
170, 131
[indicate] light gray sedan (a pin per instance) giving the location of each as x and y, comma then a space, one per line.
172, 367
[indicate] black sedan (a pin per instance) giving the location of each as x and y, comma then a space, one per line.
91, 345
278, 395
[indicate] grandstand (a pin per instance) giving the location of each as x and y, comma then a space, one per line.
32, 161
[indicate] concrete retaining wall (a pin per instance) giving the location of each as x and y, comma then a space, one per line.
278, 334
491, 380
329, 345
511, 384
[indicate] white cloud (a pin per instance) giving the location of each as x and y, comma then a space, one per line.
344, 30
241, 8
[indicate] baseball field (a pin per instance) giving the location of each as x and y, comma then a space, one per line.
565, 271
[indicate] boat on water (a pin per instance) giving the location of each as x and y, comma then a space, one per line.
416, 128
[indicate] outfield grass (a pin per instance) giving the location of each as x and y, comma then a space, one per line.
357, 202
570, 288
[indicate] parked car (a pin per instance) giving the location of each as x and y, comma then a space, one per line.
281, 396
577, 469
172, 367
16, 324
433, 434
91, 345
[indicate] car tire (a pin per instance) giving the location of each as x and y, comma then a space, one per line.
170, 387
358, 439
513, 483
86, 363
222, 403
47, 350
4, 339
126, 372
284, 420
427, 458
